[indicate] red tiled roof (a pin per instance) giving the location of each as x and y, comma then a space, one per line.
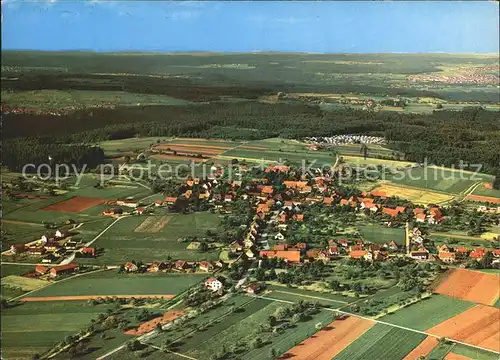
292, 256
357, 254
64, 267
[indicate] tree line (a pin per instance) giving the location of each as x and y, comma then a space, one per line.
443, 137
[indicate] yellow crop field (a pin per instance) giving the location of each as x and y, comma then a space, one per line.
419, 196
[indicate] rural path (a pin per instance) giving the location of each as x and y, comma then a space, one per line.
175, 353
381, 322
470, 190
109, 353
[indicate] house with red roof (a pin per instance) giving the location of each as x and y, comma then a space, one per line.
63, 269
292, 256
40, 269
477, 253
447, 256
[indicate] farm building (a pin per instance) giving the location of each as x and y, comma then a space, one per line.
214, 284
63, 269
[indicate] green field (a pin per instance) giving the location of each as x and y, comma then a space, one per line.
439, 179
379, 234
382, 342
109, 282
7, 270
481, 190
428, 312
35, 327
473, 353
122, 244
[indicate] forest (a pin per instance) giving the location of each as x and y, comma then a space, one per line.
443, 137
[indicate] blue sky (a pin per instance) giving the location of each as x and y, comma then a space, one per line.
389, 26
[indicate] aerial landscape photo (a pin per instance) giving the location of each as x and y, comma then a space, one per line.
211, 180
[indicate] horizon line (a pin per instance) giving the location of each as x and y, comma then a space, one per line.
245, 52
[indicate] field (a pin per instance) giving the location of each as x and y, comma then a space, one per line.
382, 342
109, 283
481, 190
35, 327
480, 198
295, 295
380, 234
153, 224
477, 326
473, 353
469, 285
418, 196
122, 242
439, 179
23, 283
75, 204
424, 348
329, 342
428, 312
7, 270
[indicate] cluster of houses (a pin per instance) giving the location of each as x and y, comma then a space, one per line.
117, 206
450, 255
53, 245
346, 139
174, 266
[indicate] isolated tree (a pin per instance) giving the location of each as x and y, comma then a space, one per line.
319, 326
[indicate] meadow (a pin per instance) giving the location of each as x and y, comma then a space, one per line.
295, 295
483, 191
445, 180
428, 312
379, 234
109, 282
33, 328
122, 244
382, 342
417, 196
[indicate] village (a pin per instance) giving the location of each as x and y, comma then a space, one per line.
279, 197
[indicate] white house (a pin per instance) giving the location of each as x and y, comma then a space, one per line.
279, 236
61, 234
213, 284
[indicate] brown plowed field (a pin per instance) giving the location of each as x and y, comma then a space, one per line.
329, 342
478, 326
89, 297
153, 224
424, 348
75, 204
174, 157
150, 325
483, 198
451, 356
164, 146
469, 285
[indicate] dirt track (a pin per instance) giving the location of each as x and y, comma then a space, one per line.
327, 343
89, 297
